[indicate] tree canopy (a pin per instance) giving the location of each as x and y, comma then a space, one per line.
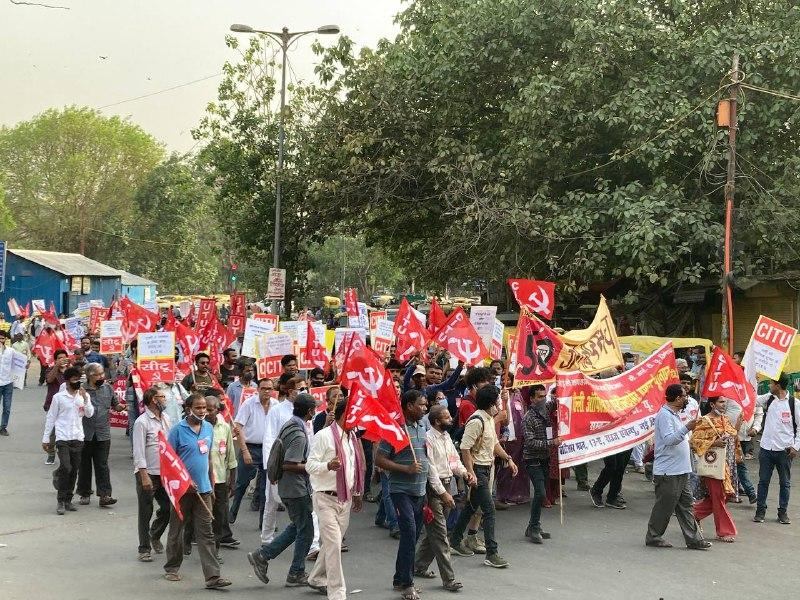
567, 140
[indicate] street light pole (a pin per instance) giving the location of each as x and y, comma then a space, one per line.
285, 38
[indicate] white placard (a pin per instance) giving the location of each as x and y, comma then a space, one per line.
17, 367
340, 332
38, 306
385, 329
274, 344
160, 344
482, 318
299, 332
184, 307
276, 286
252, 329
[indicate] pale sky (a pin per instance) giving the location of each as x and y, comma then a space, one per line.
51, 58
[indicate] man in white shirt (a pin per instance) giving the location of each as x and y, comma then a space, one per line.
6, 383
443, 463
780, 442
66, 414
249, 423
338, 485
276, 419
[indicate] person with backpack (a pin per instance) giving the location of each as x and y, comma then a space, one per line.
479, 448
286, 467
780, 442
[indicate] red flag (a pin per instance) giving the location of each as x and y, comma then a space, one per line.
351, 302
50, 316
187, 340
365, 411
216, 338
536, 296
458, 336
111, 309
436, 317
26, 311
175, 478
207, 312
44, 348
315, 351
70, 343
191, 317
237, 305
136, 319
537, 348
410, 335
726, 378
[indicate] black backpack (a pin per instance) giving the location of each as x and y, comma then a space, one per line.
790, 397
278, 452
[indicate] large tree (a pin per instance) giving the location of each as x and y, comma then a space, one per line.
70, 178
569, 140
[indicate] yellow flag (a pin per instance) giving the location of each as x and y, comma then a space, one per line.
593, 349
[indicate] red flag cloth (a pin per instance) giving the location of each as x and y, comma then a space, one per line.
238, 305
136, 319
315, 351
536, 296
538, 348
114, 307
50, 316
207, 312
27, 311
458, 336
70, 343
44, 347
351, 302
187, 340
215, 337
236, 324
436, 317
175, 478
191, 317
365, 411
362, 364
726, 378
410, 335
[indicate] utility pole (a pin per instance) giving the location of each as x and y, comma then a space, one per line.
726, 332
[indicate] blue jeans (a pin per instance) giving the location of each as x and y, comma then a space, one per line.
6, 392
744, 479
244, 474
537, 472
299, 532
768, 460
409, 518
386, 512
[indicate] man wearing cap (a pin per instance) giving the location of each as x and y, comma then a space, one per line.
295, 492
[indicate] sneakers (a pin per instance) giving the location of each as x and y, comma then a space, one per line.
615, 503
231, 543
496, 561
70, 506
536, 536
296, 579
783, 518
322, 589
473, 543
260, 565
84, 500
597, 498
753, 499
107, 501
50, 460
701, 545
759, 516
461, 549
60, 510
4, 432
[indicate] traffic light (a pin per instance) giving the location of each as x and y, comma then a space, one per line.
234, 266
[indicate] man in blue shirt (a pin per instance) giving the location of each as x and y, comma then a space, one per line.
671, 469
408, 477
192, 440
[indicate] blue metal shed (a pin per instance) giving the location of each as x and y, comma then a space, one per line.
138, 289
63, 278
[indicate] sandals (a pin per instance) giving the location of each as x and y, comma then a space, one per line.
217, 583
728, 539
425, 574
172, 577
659, 544
453, 586
409, 593
145, 557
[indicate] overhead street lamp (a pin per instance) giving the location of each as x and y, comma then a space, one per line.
285, 39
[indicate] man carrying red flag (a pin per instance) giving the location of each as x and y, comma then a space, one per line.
191, 441
408, 477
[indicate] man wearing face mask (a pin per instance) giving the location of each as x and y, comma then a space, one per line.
65, 415
444, 463
671, 470
147, 470
192, 439
247, 373
97, 438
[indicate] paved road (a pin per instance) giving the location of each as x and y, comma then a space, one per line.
598, 553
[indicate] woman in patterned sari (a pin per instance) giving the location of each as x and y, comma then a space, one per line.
714, 430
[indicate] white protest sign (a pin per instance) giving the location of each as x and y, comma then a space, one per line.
184, 307
496, 350
13, 366
252, 329
769, 345
300, 333
296, 329
111, 341
384, 334
160, 344
340, 332
38, 306
274, 344
482, 318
